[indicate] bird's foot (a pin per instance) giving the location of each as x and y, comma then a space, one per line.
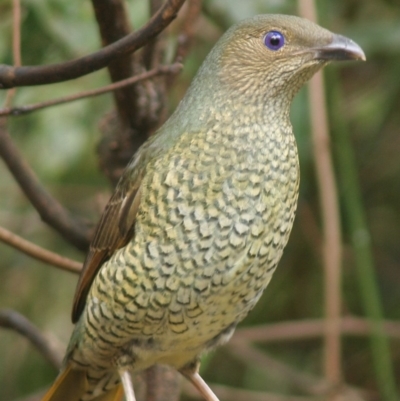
191, 372
126, 380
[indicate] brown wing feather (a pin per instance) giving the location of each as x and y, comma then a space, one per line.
116, 225
114, 230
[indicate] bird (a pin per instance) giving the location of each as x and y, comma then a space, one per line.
199, 220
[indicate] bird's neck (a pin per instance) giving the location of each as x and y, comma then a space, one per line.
236, 106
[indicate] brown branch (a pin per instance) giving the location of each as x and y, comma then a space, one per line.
21, 110
12, 320
17, 33
24, 76
306, 382
332, 247
153, 52
114, 24
311, 329
75, 231
39, 253
238, 394
16, 45
161, 383
186, 36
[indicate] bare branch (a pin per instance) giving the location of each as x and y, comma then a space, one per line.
12, 320
238, 394
17, 33
306, 382
185, 38
39, 253
153, 52
308, 329
16, 45
76, 231
332, 246
114, 24
25, 76
21, 110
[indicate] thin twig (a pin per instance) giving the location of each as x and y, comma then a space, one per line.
21, 110
312, 329
186, 36
17, 33
74, 230
26, 76
13, 320
238, 394
303, 381
154, 51
39, 253
16, 46
332, 248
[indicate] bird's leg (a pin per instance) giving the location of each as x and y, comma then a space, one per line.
191, 372
126, 380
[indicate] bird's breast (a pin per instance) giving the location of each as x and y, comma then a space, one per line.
215, 215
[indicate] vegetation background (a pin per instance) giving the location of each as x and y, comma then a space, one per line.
363, 101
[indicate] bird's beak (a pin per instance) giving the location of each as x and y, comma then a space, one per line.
341, 48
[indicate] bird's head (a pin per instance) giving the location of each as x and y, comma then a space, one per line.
278, 53
261, 63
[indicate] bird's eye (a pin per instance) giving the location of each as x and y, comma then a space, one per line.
274, 40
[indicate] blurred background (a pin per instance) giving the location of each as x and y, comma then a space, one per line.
364, 119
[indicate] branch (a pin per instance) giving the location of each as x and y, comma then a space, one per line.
153, 52
75, 231
239, 394
17, 33
39, 253
332, 241
21, 110
12, 320
308, 329
16, 45
114, 24
304, 381
25, 76
185, 38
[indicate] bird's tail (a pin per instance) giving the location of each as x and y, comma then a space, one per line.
71, 385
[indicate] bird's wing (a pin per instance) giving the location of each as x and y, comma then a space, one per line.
114, 230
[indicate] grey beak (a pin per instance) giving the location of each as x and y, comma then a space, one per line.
341, 48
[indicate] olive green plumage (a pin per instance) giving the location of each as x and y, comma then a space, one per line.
200, 218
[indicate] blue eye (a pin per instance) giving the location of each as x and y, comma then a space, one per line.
274, 40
